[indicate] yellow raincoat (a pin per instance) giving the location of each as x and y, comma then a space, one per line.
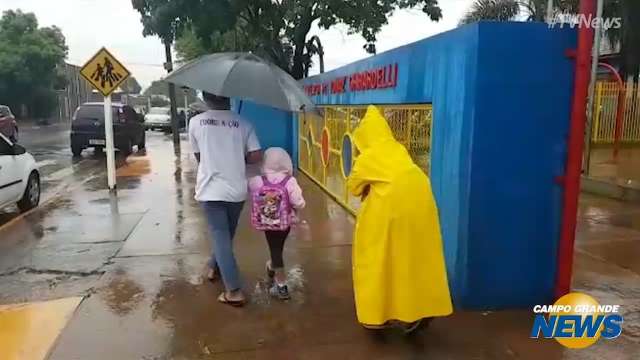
398, 263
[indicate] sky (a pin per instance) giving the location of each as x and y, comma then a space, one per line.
90, 24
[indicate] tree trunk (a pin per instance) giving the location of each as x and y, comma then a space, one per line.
297, 70
299, 43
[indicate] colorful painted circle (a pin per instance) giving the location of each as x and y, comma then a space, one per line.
324, 147
347, 155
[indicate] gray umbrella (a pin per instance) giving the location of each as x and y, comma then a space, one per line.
244, 76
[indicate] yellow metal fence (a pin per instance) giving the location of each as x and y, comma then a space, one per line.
605, 110
331, 133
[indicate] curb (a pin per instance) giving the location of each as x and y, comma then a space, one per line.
610, 189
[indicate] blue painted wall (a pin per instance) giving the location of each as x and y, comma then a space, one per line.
273, 127
523, 94
501, 99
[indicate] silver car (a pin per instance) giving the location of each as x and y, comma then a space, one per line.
158, 118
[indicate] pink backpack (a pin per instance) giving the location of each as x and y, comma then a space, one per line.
271, 209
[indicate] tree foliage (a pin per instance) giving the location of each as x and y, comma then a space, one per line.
31, 60
279, 29
500, 10
167, 18
160, 88
131, 86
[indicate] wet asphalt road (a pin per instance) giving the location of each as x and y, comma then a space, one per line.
138, 259
59, 170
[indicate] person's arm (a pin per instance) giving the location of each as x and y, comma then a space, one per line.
252, 148
194, 141
254, 157
295, 194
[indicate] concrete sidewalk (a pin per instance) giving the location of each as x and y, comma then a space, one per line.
139, 261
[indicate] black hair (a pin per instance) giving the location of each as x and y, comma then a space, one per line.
216, 102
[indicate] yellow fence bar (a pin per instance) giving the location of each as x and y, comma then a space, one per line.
605, 112
326, 152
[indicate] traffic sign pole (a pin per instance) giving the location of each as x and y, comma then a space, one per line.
108, 136
106, 73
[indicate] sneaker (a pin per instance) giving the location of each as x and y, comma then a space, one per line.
280, 291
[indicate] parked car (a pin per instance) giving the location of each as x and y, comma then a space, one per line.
87, 128
158, 118
8, 124
19, 176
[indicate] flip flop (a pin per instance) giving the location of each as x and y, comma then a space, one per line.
235, 303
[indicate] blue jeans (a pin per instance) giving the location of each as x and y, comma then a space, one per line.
222, 217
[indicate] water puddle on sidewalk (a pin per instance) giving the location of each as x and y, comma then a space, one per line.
295, 282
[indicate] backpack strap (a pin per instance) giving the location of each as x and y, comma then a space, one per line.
265, 181
285, 180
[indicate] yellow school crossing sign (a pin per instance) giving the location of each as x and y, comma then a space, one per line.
104, 72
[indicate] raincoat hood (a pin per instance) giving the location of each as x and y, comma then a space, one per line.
277, 161
372, 129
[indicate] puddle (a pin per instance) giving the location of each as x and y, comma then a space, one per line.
295, 282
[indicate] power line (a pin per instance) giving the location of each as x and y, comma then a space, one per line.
80, 63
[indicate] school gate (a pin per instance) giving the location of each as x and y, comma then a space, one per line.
484, 111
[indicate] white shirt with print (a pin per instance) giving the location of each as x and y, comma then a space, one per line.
222, 138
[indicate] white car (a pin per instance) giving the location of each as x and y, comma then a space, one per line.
19, 176
158, 118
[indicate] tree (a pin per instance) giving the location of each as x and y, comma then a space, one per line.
160, 88
279, 29
627, 37
501, 10
31, 63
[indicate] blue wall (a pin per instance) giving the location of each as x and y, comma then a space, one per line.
273, 127
501, 98
523, 96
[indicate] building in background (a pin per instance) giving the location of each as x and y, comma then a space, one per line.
77, 91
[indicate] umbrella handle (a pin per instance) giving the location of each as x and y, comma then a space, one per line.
240, 107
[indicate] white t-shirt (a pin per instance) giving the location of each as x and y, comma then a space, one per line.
222, 138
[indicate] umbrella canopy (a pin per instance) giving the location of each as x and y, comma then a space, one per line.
244, 76
198, 106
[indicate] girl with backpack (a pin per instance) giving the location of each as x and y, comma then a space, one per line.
275, 197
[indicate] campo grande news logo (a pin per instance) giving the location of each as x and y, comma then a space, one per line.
577, 321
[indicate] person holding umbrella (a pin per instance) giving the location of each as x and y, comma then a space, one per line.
222, 142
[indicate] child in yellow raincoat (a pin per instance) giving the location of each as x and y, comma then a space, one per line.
399, 272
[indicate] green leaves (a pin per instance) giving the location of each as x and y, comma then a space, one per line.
500, 10
279, 29
31, 59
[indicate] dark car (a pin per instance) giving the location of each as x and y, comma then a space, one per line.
8, 125
87, 128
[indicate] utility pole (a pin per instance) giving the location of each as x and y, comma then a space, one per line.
175, 129
592, 87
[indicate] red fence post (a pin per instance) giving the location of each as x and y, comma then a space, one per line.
574, 154
619, 121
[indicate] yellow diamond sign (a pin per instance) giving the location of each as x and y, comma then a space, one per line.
104, 72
